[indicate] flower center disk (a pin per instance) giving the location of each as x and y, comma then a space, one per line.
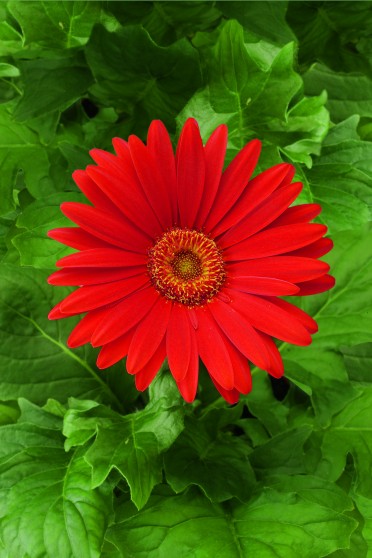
186, 266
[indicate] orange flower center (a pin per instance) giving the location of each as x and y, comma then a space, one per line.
186, 266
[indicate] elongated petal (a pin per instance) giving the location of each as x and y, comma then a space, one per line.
212, 350
306, 320
234, 180
286, 268
103, 257
214, 151
263, 285
83, 331
271, 319
80, 276
77, 238
262, 216
145, 376
114, 351
95, 296
240, 332
316, 249
93, 192
190, 173
242, 373
276, 368
178, 342
275, 241
231, 395
149, 334
106, 226
258, 189
152, 184
317, 285
189, 384
297, 214
160, 147
125, 315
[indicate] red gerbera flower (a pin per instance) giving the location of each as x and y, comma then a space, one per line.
180, 259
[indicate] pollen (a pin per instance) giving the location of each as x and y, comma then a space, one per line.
186, 266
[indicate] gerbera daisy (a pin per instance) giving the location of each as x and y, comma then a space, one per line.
179, 258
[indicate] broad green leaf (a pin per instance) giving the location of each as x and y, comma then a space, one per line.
250, 88
55, 24
219, 464
365, 507
48, 505
8, 70
341, 178
10, 39
358, 361
35, 248
332, 33
350, 432
34, 359
348, 94
343, 315
296, 521
139, 78
63, 80
131, 444
264, 19
21, 156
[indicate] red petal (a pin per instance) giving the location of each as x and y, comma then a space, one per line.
178, 342
125, 315
114, 351
316, 249
214, 150
102, 257
160, 147
276, 368
275, 241
234, 180
189, 384
262, 215
263, 285
126, 193
240, 332
106, 226
258, 189
317, 285
270, 318
287, 268
144, 377
190, 173
93, 192
213, 351
91, 297
298, 214
231, 396
83, 331
149, 334
56, 314
242, 373
155, 189
89, 276
77, 238
306, 320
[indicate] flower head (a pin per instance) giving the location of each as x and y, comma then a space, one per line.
179, 258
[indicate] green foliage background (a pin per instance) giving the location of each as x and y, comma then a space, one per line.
88, 467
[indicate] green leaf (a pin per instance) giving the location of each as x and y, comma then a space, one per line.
8, 70
34, 359
350, 432
139, 78
54, 24
298, 521
131, 444
358, 361
251, 87
63, 80
343, 316
341, 178
21, 154
34, 247
348, 94
265, 20
61, 515
219, 465
10, 39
